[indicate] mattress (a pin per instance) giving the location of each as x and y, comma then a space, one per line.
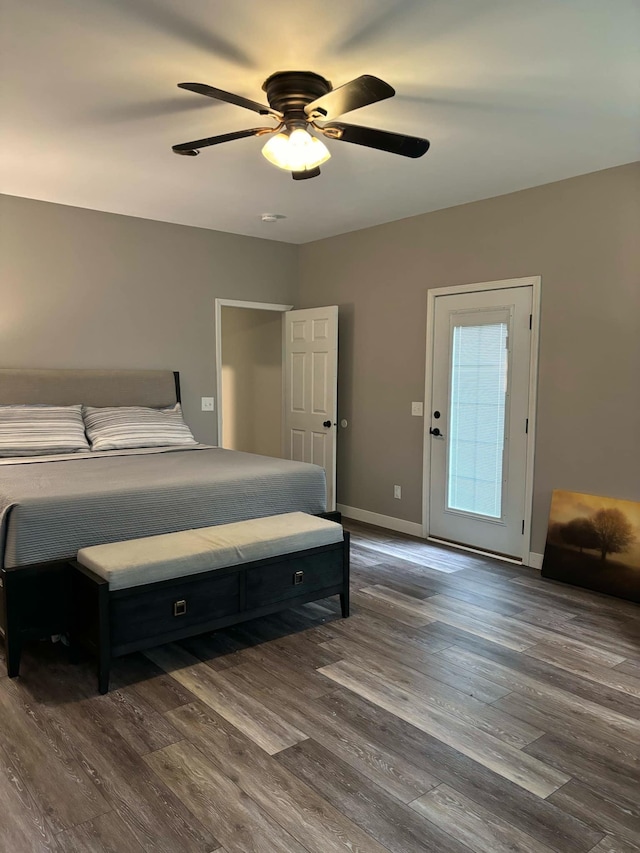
51, 507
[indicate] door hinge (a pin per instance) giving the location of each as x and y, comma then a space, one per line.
526, 426
523, 526
531, 321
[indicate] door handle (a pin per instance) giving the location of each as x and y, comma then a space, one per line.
435, 431
326, 424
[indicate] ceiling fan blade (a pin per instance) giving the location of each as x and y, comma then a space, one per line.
358, 93
383, 140
191, 148
229, 97
306, 174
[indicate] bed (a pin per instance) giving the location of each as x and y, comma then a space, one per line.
50, 506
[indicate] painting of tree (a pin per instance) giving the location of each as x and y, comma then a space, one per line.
594, 542
614, 531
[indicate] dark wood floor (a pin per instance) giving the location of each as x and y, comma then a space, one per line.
466, 705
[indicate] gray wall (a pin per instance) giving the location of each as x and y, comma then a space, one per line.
583, 237
81, 288
252, 380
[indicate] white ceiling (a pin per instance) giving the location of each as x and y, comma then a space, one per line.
511, 93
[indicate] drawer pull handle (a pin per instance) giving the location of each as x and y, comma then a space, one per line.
298, 578
179, 607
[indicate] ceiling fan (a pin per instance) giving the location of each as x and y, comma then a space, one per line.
299, 100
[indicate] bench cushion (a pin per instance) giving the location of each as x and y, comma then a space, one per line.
171, 555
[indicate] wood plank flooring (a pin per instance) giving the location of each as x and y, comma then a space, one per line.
467, 706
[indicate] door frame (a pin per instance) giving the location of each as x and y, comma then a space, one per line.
235, 303
535, 282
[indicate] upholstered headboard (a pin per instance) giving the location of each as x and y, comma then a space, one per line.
153, 388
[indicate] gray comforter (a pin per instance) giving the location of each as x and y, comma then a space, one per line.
49, 509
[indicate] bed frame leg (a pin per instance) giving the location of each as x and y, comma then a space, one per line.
14, 651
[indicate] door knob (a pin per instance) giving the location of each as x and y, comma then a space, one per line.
326, 424
435, 431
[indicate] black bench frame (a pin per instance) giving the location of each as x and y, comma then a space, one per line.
35, 602
114, 623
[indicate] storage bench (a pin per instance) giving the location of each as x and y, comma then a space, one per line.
132, 595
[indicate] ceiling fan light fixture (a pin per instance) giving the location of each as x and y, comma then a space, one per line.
297, 151
296, 100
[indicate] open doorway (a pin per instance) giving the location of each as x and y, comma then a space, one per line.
277, 382
249, 376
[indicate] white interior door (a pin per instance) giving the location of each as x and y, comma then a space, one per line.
311, 390
478, 424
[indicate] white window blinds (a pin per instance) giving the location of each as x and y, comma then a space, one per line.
477, 418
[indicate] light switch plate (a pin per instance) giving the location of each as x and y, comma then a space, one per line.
207, 404
417, 409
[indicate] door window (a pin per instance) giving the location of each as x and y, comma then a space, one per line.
478, 393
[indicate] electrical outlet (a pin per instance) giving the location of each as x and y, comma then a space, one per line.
416, 409
397, 492
207, 404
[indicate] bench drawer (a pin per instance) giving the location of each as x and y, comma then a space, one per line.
289, 578
171, 608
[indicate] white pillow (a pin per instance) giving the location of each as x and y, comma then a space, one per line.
41, 430
124, 427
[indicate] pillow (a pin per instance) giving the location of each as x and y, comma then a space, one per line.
124, 427
41, 430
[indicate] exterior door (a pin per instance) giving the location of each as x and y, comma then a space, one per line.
311, 390
478, 427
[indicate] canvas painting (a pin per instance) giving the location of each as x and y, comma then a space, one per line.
594, 542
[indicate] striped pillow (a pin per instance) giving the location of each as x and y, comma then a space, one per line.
41, 430
123, 427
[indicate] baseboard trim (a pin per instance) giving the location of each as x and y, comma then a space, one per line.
412, 528
535, 560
